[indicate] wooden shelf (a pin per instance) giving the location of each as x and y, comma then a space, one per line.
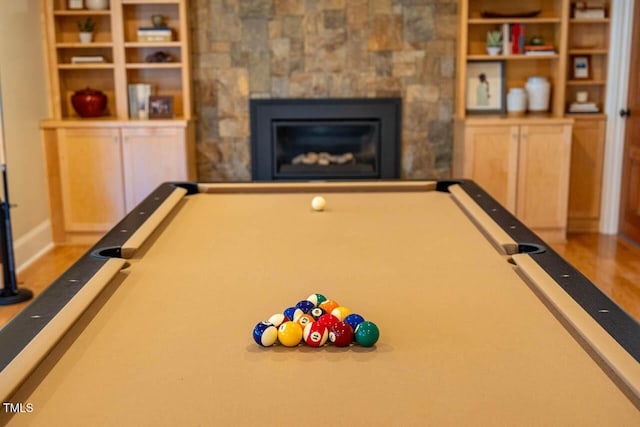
78, 45
87, 66
139, 45
82, 12
514, 57
586, 82
588, 51
493, 21
589, 21
152, 65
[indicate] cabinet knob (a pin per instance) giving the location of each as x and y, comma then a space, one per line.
625, 113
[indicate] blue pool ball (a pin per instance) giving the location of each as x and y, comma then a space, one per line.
293, 313
305, 306
265, 334
354, 320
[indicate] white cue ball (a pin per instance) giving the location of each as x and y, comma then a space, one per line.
318, 203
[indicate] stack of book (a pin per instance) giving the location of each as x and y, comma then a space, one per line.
155, 34
589, 9
583, 107
139, 100
539, 50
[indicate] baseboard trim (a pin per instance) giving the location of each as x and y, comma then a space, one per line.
31, 246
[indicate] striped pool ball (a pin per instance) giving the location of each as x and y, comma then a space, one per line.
304, 320
317, 299
278, 319
265, 334
293, 313
341, 312
315, 335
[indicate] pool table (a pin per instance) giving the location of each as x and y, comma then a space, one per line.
480, 322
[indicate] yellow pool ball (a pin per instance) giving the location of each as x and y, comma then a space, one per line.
289, 334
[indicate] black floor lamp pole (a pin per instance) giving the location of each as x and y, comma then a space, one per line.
9, 293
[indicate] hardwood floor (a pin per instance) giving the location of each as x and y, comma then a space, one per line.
611, 262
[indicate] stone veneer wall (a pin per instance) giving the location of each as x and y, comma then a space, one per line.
246, 49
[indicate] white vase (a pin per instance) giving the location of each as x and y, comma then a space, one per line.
538, 90
516, 101
96, 4
85, 37
493, 50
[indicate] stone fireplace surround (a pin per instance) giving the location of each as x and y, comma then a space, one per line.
274, 49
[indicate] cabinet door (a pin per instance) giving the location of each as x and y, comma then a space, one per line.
152, 156
491, 158
543, 176
91, 178
585, 185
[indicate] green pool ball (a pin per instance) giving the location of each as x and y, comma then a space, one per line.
367, 334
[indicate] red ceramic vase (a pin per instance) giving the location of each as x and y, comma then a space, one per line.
89, 102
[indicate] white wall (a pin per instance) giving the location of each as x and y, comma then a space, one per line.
24, 91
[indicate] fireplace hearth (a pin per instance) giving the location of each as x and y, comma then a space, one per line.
300, 139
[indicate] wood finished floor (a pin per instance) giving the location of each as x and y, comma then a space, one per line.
611, 262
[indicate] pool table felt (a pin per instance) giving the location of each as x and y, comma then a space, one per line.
463, 338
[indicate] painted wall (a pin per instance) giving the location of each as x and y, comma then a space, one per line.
24, 94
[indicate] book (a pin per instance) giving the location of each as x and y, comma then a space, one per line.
583, 107
521, 38
589, 13
515, 34
139, 100
539, 52
506, 39
154, 34
86, 59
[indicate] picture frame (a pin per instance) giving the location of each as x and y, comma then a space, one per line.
486, 87
581, 67
160, 107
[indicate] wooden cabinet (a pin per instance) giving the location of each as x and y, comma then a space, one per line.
492, 166
585, 189
97, 172
524, 165
100, 168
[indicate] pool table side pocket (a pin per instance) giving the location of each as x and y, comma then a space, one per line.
34, 352
618, 362
498, 237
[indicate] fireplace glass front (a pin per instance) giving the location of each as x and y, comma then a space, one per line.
326, 148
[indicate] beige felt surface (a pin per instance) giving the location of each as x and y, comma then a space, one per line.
463, 340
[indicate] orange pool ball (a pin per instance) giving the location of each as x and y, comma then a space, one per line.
329, 305
304, 319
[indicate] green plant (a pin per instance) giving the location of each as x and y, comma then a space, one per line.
494, 39
87, 25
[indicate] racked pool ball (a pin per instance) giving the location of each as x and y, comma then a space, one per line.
317, 299
367, 334
305, 305
341, 312
304, 320
289, 334
315, 335
327, 320
354, 320
328, 305
316, 312
341, 334
293, 313
278, 319
265, 334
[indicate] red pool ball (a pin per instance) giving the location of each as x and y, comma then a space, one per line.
341, 334
315, 335
327, 320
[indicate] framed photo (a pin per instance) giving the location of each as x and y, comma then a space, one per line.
160, 107
581, 67
485, 87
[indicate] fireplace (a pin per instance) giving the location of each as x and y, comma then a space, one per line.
299, 139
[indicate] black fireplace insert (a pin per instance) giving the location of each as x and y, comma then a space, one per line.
325, 138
